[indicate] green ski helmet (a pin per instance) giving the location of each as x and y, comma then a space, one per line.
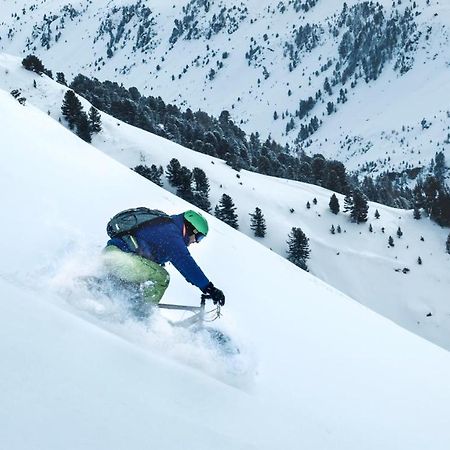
197, 221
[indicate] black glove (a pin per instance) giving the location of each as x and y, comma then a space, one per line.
215, 294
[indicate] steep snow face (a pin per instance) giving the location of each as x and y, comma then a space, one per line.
375, 72
358, 262
330, 373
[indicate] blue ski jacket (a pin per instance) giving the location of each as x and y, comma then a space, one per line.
164, 242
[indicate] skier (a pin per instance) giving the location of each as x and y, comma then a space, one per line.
137, 259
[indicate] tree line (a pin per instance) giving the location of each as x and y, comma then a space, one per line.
223, 138
194, 187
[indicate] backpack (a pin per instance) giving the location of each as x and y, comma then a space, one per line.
125, 223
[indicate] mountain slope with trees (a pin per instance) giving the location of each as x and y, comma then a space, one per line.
77, 372
356, 256
360, 82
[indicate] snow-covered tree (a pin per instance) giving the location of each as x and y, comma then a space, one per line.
71, 108
184, 188
201, 189
360, 207
258, 223
60, 78
225, 210
173, 172
334, 204
95, 120
348, 202
298, 248
152, 173
33, 63
83, 127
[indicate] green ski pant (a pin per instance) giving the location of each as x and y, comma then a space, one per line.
132, 268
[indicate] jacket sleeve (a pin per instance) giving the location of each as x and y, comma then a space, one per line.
180, 257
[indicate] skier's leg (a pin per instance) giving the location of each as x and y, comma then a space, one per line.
154, 289
132, 268
128, 267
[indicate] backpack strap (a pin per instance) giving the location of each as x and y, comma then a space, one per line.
131, 242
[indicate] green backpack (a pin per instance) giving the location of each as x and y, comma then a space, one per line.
126, 223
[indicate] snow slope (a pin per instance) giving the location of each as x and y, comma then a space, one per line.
330, 373
378, 128
356, 261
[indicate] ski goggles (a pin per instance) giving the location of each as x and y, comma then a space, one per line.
198, 236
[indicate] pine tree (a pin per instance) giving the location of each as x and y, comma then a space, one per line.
60, 78
441, 207
184, 188
201, 189
258, 223
377, 214
370, 228
338, 229
71, 109
156, 174
330, 108
439, 167
448, 244
419, 196
391, 241
332, 230
308, 205
225, 210
419, 260
95, 120
360, 207
399, 232
431, 188
348, 202
298, 248
173, 172
416, 213
83, 128
152, 173
334, 204
33, 63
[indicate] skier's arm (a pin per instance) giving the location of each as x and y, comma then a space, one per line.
186, 265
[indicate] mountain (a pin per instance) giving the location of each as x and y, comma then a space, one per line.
361, 82
321, 371
360, 263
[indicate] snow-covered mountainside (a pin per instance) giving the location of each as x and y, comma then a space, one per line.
358, 262
362, 82
77, 374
